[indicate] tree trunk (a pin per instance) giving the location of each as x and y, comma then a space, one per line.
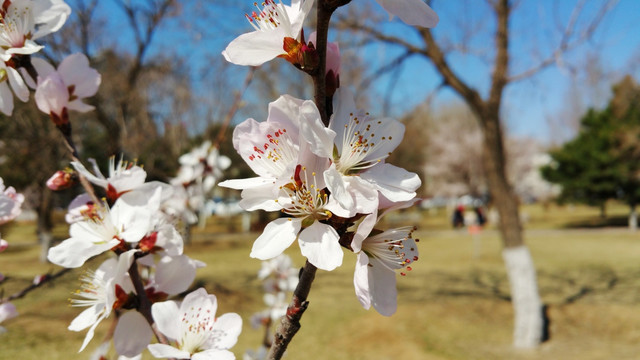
45, 224
603, 210
528, 321
633, 218
520, 268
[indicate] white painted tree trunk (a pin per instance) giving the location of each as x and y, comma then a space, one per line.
633, 219
525, 298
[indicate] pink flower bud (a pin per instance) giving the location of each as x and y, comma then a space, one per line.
333, 55
3, 245
62, 179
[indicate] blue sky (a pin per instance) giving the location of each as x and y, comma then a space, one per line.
535, 29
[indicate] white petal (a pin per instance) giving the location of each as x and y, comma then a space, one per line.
395, 183
335, 184
51, 18
213, 354
319, 243
89, 175
43, 68
259, 198
86, 318
17, 84
277, 236
285, 112
162, 351
175, 274
75, 70
411, 12
79, 106
51, 94
6, 99
132, 334
343, 107
72, 253
240, 184
365, 195
364, 229
361, 280
165, 315
382, 287
255, 48
319, 137
229, 326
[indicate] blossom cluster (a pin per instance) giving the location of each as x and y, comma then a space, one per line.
200, 170
57, 90
130, 223
329, 178
133, 222
329, 182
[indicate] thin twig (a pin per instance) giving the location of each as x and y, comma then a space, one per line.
34, 286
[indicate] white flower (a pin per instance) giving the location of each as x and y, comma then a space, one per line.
375, 277
7, 311
199, 335
306, 199
97, 292
359, 145
64, 89
10, 203
3, 246
24, 21
411, 12
271, 149
279, 274
203, 165
123, 177
104, 230
277, 304
272, 23
177, 206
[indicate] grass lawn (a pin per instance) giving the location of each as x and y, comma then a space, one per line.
453, 305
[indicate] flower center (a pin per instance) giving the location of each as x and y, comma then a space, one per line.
307, 200
269, 17
361, 140
198, 332
93, 291
395, 249
277, 152
15, 25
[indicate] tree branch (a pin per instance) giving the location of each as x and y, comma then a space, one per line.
435, 54
144, 305
499, 76
566, 44
290, 323
20, 294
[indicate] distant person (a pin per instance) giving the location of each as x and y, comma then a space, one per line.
458, 217
480, 218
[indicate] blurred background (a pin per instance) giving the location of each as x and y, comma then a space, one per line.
569, 116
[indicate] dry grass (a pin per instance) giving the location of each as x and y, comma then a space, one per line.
451, 306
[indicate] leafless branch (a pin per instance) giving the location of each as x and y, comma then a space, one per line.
568, 41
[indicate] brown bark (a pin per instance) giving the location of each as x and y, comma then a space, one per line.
488, 115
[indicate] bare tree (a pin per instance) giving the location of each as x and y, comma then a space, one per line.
486, 106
